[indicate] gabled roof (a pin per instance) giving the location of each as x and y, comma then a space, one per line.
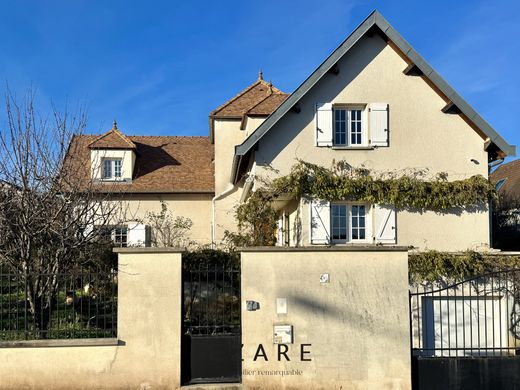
164, 164
112, 139
373, 21
267, 106
510, 173
248, 99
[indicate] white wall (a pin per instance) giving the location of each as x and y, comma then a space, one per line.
356, 325
421, 137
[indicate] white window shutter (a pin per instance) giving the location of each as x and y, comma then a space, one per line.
385, 224
137, 235
324, 124
379, 133
319, 222
279, 241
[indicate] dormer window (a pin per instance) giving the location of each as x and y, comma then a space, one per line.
112, 157
112, 168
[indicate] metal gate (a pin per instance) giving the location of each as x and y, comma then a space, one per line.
211, 341
459, 331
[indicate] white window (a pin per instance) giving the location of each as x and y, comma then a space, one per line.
344, 222
119, 236
348, 222
349, 126
112, 168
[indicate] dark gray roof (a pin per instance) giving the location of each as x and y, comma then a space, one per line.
374, 19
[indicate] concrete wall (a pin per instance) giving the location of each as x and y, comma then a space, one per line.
357, 324
149, 326
421, 136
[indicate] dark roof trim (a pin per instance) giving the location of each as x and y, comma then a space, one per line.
374, 19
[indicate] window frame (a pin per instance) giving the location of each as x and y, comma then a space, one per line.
112, 161
349, 225
120, 240
348, 108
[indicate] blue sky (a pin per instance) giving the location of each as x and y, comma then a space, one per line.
160, 67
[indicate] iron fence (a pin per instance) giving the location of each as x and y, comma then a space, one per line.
76, 304
211, 294
479, 316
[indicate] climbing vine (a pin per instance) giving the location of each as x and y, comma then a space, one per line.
408, 190
434, 266
411, 190
256, 222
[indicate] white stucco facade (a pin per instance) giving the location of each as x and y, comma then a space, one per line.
421, 137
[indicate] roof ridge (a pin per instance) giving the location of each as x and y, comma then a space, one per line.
123, 136
171, 136
235, 97
116, 131
244, 91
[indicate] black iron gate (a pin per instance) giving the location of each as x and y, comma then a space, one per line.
467, 334
211, 341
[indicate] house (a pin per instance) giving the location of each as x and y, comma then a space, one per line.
506, 216
374, 102
144, 172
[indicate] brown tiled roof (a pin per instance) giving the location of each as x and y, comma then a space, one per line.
245, 100
112, 139
164, 164
268, 105
511, 173
260, 98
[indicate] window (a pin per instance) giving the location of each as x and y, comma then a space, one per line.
349, 126
348, 222
119, 236
499, 184
112, 169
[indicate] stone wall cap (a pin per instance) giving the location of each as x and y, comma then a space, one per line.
61, 343
149, 250
338, 248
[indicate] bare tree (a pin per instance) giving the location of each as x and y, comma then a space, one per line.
48, 206
167, 230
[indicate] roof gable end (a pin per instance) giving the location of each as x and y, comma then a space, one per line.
374, 20
247, 99
112, 139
